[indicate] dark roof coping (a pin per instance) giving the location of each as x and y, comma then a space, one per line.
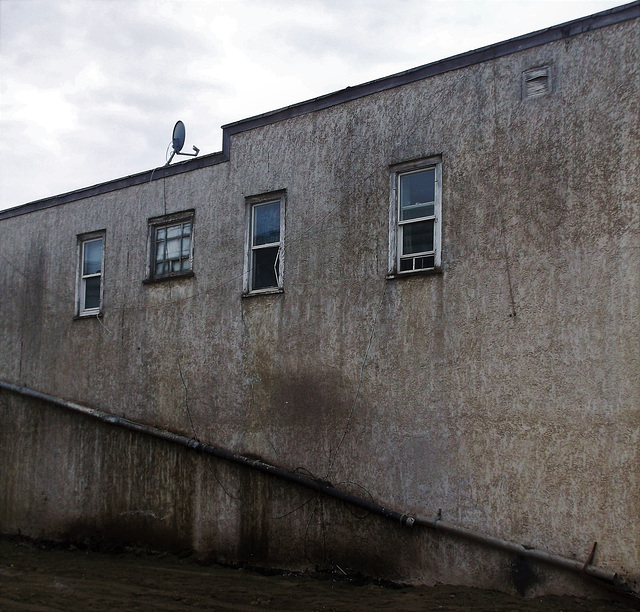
121, 183
463, 60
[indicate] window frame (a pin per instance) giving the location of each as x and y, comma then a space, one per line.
81, 311
251, 204
396, 225
163, 222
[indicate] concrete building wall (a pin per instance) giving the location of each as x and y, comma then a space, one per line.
504, 391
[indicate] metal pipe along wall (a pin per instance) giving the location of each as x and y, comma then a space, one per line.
326, 488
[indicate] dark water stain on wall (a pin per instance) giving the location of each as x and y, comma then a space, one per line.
32, 305
253, 544
308, 414
523, 575
141, 531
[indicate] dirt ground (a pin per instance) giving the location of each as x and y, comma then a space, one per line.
39, 578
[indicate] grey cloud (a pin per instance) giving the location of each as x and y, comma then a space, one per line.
363, 33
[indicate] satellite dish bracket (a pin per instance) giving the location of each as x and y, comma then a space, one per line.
177, 142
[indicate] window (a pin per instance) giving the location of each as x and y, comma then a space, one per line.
90, 274
264, 260
415, 217
170, 246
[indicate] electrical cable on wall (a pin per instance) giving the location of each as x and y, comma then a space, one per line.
503, 230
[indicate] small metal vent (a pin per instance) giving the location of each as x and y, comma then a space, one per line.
536, 82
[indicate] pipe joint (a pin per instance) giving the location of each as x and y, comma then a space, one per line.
407, 521
196, 445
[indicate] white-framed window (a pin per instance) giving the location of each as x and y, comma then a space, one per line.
415, 217
90, 274
264, 255
170, 245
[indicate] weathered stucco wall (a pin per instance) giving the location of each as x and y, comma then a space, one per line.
504, 391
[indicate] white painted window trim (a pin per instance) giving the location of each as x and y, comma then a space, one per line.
156, 223
251, 203
395, 227
83, 239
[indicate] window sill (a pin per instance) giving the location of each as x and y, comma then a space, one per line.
271, 291
88, 315
412, 273
162, 279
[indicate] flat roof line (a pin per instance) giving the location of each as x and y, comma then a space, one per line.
520, 43
455, 62
120, 183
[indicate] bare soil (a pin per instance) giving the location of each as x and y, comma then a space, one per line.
40, 577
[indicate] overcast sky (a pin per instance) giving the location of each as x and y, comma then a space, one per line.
91, 89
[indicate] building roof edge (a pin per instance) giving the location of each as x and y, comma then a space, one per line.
513, 45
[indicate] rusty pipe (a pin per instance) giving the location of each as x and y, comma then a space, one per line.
324, 487
523, 551
319, 486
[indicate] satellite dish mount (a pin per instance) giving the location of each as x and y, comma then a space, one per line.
177, 143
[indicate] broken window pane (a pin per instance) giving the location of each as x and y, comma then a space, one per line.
264, 268
92, 293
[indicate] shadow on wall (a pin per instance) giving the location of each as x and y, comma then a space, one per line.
305, 419
137, 530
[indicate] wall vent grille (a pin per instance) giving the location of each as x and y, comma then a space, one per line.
536, 82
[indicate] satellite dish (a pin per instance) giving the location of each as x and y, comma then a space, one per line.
179, 134
177, 142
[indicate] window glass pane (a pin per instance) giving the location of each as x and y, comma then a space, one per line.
406, 265
186, 246
264, 268
92, 257
160, 251
173, 248
92, 293
417, 211
174, 231
417, 237
425, 263
417, 194
266, 223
